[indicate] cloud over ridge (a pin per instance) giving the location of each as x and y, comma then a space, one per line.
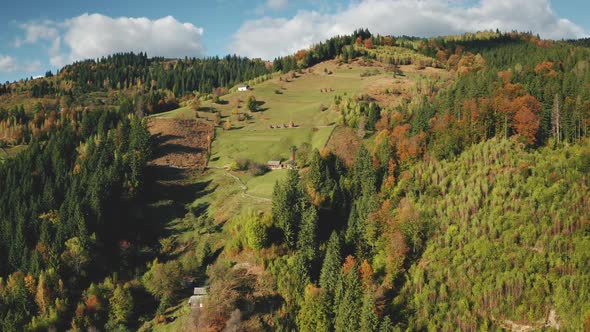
95, 35
270, 37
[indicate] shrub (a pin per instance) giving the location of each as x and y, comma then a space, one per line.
252, 167
257, 169
257, 228
241, 164
252, 103
370, 72
163, 280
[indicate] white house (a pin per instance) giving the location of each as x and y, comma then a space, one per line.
198, 298
243, 88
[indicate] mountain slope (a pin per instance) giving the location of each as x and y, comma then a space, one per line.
508, 238
440, 184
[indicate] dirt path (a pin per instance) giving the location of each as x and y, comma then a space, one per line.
242, 186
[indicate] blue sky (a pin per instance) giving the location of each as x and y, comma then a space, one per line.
39, 35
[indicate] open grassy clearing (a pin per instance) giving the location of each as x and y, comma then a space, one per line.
283, 99
298, 100
263, 185
224, 197
264, 145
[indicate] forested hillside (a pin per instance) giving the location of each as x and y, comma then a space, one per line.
121, 71
61, 212
433, 184
506, 238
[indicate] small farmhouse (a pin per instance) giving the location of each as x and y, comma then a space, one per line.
243, 88
198, 298
276, 164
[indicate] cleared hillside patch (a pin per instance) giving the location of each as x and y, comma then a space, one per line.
180, 143
344, 143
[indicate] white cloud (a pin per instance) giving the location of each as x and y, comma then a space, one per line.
56, 58
277, 4
270, 37
95, 35
272, 5
9, 64
34, 32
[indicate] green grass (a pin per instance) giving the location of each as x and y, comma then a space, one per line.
263, 145
262, 186
299, 101
223, 197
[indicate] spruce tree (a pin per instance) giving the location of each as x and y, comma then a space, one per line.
286, 207
348, 299
330, 275
386, 325
120, 306
369, 319
364, 177
307, 240
315, 313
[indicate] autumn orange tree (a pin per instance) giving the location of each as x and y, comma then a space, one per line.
526, 119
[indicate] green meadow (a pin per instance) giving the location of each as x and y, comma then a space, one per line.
303, 99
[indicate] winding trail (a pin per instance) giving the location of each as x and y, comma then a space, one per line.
242, 186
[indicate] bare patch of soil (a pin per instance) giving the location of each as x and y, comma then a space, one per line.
390, 91
181, 143
344, 143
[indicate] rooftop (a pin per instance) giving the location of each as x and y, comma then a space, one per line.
200, 291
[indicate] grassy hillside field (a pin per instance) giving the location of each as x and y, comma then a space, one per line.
301, 98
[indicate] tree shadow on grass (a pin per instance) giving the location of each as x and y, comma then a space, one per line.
171, 148
168, 193
159, 138
235, 128
206, 109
